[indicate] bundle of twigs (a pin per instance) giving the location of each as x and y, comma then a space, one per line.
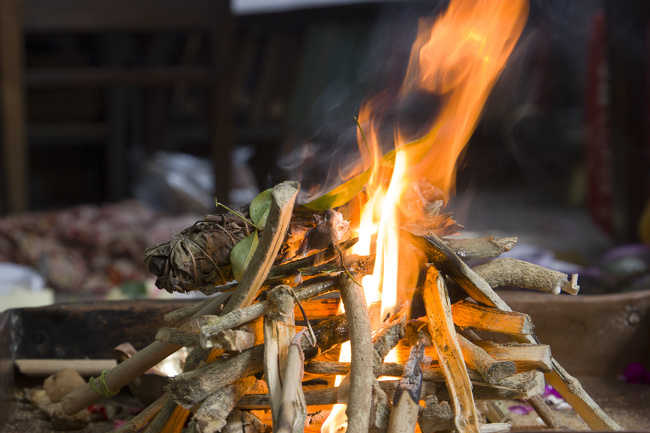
250, 359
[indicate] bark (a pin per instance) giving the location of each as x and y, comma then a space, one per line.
361, 376
509, 272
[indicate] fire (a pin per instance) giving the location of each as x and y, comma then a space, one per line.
458, 57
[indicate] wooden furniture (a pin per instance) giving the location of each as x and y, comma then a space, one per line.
103, 16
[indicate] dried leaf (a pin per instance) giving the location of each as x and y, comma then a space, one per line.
241, 254
259, 208
346, 191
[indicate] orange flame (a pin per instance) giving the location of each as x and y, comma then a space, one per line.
458, 57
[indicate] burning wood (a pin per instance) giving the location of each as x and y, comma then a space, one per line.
436, 392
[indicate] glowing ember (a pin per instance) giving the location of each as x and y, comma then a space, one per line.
458, 56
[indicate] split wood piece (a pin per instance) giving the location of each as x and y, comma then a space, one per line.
361, 376
279, 329
437, 416
243, 422
406, 400
177, 337
191, 387
441, 327
480, 248
569, 387
247, 314
470, 315
174, 318
334, 395
387, 337
509, 272
491, 369
292, 412
526, 357
213, 413
283, 197
169, 418
451, 265
136, 423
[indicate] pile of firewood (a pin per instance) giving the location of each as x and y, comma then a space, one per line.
252, 365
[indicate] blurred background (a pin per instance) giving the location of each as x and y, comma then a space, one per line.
122, 120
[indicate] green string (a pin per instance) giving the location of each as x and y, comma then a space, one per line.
105, 391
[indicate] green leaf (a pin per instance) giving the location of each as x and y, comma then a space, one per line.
259, 208
347, 190
242, 253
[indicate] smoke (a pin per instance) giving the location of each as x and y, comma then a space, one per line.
325, 152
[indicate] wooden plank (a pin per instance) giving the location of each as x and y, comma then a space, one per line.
12, 107
119, 15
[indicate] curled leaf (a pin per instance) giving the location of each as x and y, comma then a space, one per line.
346, 191
241, 254
259, 208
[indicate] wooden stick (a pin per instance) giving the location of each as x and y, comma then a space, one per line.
119, 375
46, 367
526, 384
191, 387
483, 391
480, 248
571, 389
175, 317
450, 264
361, 377
380, 409
490, 369
526, 357
177, 337
481, 291
244, 315
292, 412
169, 419
509, 272
279, 329
498, 412
136, 423
470, 315
496, 427
290, 269
387, 337
212, 414
283, 197
233, 340
406, 406
544, 412
441, 327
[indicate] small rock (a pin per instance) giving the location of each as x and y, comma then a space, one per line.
40, 400
61, 383
61, 421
